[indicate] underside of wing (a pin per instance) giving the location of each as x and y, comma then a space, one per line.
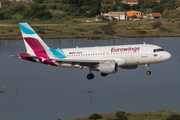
82, 63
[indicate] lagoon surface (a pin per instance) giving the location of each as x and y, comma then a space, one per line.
41, 92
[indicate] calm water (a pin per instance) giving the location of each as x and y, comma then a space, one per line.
51, 93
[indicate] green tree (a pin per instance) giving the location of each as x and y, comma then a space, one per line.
125, 7
7, 13
164, 1
2, 16
94, 11
118, 2
158, 9
150, 3
16, 7
36, 8
27, 14
177, 3
136, 7
141, 1
92, 5
120, 114
42, 15
107, 2
169, 5
38, 1
95, 116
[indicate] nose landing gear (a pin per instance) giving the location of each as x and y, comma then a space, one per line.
147, 68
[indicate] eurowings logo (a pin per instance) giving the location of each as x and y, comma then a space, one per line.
125, 49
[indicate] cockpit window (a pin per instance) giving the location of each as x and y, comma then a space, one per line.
158, 50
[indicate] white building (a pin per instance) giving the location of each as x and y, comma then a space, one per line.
115, 15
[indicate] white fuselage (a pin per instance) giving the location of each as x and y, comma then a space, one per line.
124, 55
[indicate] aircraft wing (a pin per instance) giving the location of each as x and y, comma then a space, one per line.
89, 63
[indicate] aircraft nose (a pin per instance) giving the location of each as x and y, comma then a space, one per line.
167, 56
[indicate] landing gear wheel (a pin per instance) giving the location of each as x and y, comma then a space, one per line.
148, 72
90, 76
103, 74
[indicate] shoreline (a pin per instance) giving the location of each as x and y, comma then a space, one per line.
95, 30
91, 37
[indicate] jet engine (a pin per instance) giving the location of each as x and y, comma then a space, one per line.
129, 67
108, 68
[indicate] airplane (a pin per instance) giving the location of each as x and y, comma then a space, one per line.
105, 59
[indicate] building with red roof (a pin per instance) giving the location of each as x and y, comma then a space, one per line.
155, 15
1, 3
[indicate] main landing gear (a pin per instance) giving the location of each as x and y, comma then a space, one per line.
91, 76
103, 74
147, 68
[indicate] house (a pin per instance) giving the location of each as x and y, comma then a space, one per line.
115, 15
131, 13
155, 15
2, 3
131, 2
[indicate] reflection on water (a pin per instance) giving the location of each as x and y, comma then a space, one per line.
37, 91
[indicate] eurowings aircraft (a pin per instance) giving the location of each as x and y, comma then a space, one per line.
105, 59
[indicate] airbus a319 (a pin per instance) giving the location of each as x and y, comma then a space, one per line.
105, 59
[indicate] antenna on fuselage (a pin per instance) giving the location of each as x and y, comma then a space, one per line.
76, 46
144, 43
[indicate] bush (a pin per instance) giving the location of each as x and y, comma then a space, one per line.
2, 16
97, 32
42, 15
10, 31
108, 29
120, 114
95, 116
156, 25
141, 32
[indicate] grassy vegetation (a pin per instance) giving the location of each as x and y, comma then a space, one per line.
146, 115
69, 27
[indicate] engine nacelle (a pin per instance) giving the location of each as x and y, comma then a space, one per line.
108, 68
129, 67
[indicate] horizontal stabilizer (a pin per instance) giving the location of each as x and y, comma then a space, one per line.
29, 56
23, 56
13, 55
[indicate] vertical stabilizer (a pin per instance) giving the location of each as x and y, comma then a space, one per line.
35, 46
32, 41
